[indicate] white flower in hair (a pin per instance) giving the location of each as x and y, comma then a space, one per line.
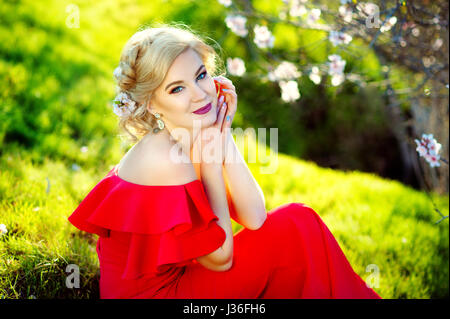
123, 105
117, 72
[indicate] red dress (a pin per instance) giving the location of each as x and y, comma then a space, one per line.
149, 237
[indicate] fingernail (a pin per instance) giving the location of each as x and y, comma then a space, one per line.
228, 118
224, 105
224, 89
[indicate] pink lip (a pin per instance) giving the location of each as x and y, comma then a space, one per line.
204, 109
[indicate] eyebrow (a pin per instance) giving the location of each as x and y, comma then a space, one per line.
175, 82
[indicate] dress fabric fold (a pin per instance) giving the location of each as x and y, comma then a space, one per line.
150, 236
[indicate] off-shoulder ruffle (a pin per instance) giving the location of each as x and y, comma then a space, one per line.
168, 224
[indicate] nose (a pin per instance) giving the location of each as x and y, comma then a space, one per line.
198, 93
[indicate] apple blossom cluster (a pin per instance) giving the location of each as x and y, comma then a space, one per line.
236, 23
336, 69
314, 75
313, 16
285, 71
429, 148
285, 74
263, 37
289, 91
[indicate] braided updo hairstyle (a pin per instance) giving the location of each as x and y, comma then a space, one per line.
144, 63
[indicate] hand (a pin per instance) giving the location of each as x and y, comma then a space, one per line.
209, 147
230, 99
219, 133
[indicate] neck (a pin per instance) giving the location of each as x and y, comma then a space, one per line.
185, 141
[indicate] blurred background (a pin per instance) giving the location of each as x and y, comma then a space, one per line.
346, 130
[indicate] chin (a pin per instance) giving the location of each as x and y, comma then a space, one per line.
206, 120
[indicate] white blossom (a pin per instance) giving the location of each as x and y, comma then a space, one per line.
285, 71
289, 91
225, 3
263, 37
346, 13
117, 72
337, 38
297, 8
336, 64
337, 79
84, 149
429, 148
314, 75
123, 105
3, 229
314, 15
236, 66
433, 160
368, 8
437, 44
388, 24
236, 23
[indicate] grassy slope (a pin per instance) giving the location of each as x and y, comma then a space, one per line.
58, 81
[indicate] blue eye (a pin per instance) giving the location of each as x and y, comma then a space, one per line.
175, 89
202, 74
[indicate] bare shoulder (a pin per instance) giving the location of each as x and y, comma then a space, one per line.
157, 161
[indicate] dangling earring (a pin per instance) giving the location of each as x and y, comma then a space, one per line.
159, 122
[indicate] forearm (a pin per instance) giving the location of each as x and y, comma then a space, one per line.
247, 196
214, 184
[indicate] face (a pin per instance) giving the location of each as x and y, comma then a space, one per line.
186, 88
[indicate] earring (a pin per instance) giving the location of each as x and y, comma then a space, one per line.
159, 122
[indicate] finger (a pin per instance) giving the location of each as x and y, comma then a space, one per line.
226, 82
224, 124
219, 103
221, 116
231, 100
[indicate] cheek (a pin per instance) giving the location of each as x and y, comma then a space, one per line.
209, 86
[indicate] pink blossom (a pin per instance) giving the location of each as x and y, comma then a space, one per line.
429, 149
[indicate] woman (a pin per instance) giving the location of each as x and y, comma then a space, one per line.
163, 213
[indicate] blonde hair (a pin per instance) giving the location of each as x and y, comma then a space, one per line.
144, 63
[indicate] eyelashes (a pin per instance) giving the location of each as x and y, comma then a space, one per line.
203, 73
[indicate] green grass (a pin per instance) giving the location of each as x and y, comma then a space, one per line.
375, 221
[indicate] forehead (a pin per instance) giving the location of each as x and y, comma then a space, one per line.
184, 65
